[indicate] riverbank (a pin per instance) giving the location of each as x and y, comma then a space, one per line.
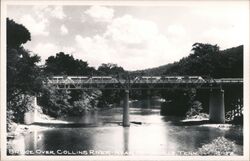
17, 130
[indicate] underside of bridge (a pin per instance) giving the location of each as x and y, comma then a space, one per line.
216, 106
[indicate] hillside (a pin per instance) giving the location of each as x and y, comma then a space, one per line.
206, 60
152, 71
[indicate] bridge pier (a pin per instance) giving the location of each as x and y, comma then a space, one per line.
148, 99
31, 116
216, 106
125, 121
35, 109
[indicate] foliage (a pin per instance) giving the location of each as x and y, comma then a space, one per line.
110, 69
151, 71
205, 60
17, 34
17, 108
20, 61
219, 146
178, 101
65, 64
58, 103
110, 96
208, 60
22, 72
68, 103
54, 102
195, 110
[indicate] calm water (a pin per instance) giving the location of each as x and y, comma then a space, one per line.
102, 134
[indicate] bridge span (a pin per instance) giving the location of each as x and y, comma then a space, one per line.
216, 98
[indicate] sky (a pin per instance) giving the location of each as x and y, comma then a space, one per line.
134, 37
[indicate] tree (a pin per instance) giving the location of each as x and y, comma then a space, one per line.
67, 103
110, 96
110, 69
22, 72
208, 60
17, 34
200, 49
65, 64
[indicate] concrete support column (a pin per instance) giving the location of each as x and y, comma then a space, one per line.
31, 116
216, 106
148, 101
125, 121
35, 109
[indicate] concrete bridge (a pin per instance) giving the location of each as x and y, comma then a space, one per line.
216, 100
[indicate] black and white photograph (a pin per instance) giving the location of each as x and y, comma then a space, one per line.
125, 80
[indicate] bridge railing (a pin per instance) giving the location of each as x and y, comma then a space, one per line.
229, 80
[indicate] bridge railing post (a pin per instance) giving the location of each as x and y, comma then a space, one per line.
216, 106
126, 121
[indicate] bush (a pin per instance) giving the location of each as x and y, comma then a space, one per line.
219, 146
57, 103
17, 107
195, 111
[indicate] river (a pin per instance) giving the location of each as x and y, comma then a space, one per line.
100, 133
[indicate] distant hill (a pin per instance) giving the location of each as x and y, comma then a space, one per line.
206, 61
152, 71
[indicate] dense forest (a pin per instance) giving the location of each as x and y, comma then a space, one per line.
205, 60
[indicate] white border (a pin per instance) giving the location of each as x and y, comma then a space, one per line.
4, 4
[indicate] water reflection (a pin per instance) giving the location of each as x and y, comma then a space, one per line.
126, 140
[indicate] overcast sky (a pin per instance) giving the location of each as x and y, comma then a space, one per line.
134, 37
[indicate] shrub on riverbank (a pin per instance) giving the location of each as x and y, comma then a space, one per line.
17, 107
57, 103
195, 111
219, 146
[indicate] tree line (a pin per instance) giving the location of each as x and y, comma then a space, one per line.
204, 60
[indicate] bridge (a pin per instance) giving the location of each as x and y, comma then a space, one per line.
216, 99
142, 82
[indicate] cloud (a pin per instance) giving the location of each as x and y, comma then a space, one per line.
45, 50
38, 22
42, 11
35, 26
64, 30
226, 25
100, 13
227, 37
48, 49
176, 30
130, 42
128, 29
57, 12
94, 49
